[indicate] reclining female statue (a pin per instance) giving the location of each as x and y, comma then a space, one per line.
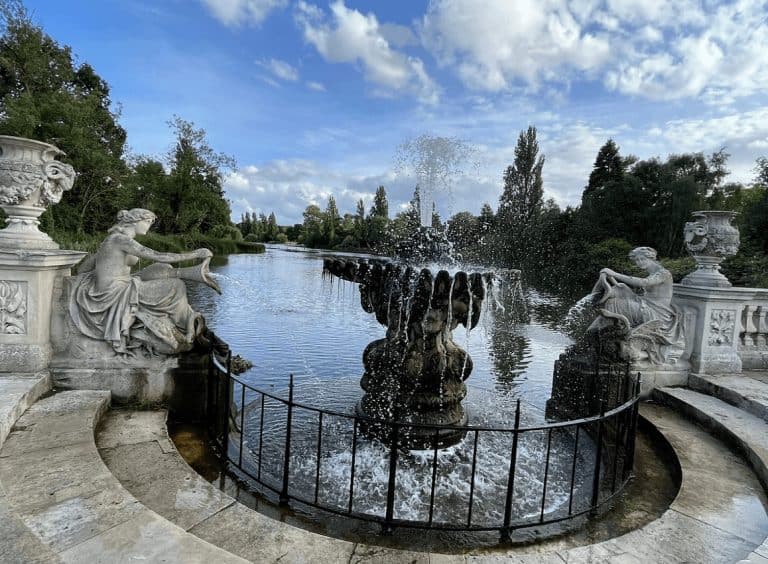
148, 308
641, 310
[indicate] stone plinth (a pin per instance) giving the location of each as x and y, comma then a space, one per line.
28, 281
715, 325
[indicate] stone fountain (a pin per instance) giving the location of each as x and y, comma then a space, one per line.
416, 373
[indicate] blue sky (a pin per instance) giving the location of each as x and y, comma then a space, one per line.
314, 97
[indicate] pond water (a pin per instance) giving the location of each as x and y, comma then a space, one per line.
277, 311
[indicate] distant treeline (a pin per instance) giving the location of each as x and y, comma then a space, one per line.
626, 203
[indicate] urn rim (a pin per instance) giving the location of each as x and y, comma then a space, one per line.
46, 148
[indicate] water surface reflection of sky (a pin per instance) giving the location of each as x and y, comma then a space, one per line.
277, 311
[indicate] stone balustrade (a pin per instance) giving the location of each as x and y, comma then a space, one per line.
752, 343
727, 328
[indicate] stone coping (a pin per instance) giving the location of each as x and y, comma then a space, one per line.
747, 391
703, 524
744, 427
17, 393
60, 503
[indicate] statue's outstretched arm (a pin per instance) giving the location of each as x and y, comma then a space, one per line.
634, 281
137, 249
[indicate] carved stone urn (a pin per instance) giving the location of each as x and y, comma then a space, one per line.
31, 179
710, 238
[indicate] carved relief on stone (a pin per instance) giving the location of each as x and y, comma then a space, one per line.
13, 307
722, 324
19, 180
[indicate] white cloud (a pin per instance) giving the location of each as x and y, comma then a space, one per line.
317, 86
242, 12
505, 42
638, 47
280, 69
350, 36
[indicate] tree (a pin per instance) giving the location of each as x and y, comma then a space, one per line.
44, 95
331, 221
195, 187
520, 200
380, 207
523, 186
360, 229
312, 227
609, 167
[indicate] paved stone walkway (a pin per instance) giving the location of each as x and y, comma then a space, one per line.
66, 506
59, 502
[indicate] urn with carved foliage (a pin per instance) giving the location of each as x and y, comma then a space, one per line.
710, 238
31, 179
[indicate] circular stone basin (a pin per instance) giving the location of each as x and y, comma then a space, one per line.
656, 483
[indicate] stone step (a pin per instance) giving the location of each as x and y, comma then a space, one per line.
17, 393
744, 431
747, 391
58, 491
702, 525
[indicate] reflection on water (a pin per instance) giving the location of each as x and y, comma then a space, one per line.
278, 312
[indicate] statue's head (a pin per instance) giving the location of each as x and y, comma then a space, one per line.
131, 218
642, 254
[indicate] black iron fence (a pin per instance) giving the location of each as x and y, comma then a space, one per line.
551, 472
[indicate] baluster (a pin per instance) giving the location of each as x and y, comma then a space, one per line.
762, 327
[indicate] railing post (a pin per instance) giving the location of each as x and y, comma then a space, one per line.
391, 482
633, 423
210, 414
598, 460
505, 532
227, 406
287, 460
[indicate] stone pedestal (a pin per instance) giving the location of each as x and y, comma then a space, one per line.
714, 327
28, 279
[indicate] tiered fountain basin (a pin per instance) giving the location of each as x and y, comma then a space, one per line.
416, 373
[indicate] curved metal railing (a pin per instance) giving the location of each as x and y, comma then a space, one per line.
601, 456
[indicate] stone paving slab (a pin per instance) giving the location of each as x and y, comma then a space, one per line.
18, 545
66, 498
718, 516
187, 499
145, 538
17, 393
747, 391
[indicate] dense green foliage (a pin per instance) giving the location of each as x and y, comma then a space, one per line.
626, 203
46, 95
